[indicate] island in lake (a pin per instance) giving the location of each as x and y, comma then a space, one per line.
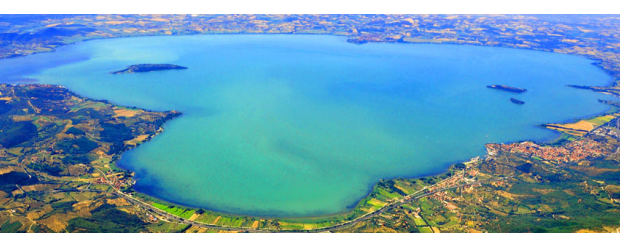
149, 67
516, 101
508, 88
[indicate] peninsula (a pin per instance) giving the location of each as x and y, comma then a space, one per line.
148, 68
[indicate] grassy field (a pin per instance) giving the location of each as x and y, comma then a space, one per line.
178, 211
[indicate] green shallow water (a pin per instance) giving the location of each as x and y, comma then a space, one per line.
281, 125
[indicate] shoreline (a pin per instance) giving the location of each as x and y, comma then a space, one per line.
371, 186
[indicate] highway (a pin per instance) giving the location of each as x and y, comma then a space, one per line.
412, 197
76, 190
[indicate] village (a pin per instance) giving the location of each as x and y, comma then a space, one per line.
571, 152
115, 180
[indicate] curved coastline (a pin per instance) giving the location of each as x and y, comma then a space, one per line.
370, 188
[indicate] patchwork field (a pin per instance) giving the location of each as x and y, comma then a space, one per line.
582, 127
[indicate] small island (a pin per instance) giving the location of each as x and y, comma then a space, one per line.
148, 68
516, 101
508, 88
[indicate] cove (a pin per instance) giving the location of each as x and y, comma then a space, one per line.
305, 125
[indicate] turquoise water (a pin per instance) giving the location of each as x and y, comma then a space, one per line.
281, 125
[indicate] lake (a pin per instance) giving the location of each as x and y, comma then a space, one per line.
305, 125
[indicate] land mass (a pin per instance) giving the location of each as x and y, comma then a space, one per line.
516, 101
54, 149
508, 88
148, 68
